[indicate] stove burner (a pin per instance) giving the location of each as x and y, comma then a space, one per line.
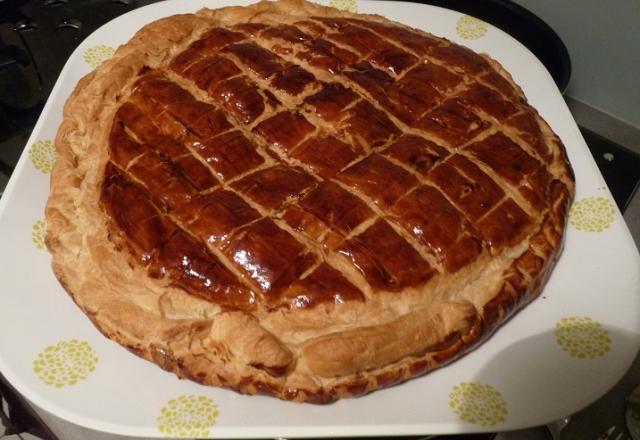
36, 39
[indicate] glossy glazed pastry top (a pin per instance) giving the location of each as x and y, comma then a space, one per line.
328, 136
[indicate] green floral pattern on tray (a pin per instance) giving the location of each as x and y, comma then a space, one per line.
471, 28
478, 404
38, 232
94, 56
592, 214
65, 363
43, 156
582, 337
344, 5
188, 416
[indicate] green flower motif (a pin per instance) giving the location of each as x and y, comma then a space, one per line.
471, 28
43, 156
344, 5
478, 404
38, 232
65, 363
592, 214
94, 56
582, 337
188, 416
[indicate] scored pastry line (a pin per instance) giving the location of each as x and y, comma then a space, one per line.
268, 160
185, 228
322, 253
381, 214
378, 214
203, 96
235, 125
441, 43
510, 189
311, 245
424, 181
293, 101
464, 85
264, 84
269, 112
187, 44
509, 132
296, 101
341, 79
466, 81
514, 193
363, 93
330, 36
421, 57
136, 159
353, 86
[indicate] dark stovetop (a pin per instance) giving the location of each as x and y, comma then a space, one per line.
36, 39
38, 36
619, 166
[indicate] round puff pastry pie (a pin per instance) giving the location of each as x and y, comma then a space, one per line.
293, 200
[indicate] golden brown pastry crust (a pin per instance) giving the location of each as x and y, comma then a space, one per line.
315, 355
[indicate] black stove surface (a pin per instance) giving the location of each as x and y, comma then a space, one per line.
36, 39
619, 166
